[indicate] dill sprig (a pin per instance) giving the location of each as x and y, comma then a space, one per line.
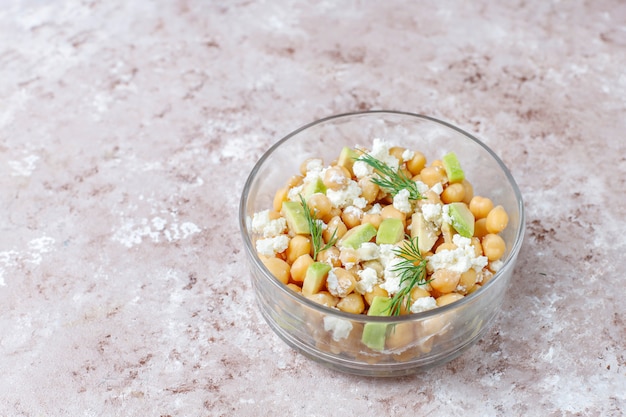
412, 271
391, 180
316, 229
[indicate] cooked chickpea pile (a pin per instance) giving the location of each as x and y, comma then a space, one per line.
342, 197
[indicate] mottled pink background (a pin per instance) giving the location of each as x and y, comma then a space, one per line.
127, 130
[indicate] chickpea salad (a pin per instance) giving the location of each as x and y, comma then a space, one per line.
381, 231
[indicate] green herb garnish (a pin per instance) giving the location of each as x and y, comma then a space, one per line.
316, 229
412, 271
390, 180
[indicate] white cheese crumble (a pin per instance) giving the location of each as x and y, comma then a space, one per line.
458, 260
380, 151
423, 304
368, 251
360, 202
369, 278
421, 187
376, 209
389, 259
340, 328
263, 225
387, 254
437, 188
314, 165
345, 196
407, 155
433, 213
445, 215
272, 245
353, 211
392, 282
294, 193
314, 170
495, 266
401, 201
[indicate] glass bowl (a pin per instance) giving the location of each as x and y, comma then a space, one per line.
332, 337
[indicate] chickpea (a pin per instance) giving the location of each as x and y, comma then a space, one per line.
446, 246
417, 163
432, 175
351, 216
392, 212
294, 287
330, 256
320, 205
336, 177
295, 181
493, 246
497, 220
324, 298
374, 219
478, 247
280, 197
334, 212
397, 151
298, 245
480, 206
369, 189
376, 290
469, 191
277, 267
352, 303
445, 280
453, 193
467, 281
299, 268
480, 228
342, 283
419, 292
336, 226
375, 265
448, 299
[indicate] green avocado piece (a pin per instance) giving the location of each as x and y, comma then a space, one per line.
453, 167
315, 278
374, 334
347, 158
293, 212
390, 231
312, 187
462, 219
358, 235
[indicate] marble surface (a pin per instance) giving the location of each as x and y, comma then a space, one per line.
127, 130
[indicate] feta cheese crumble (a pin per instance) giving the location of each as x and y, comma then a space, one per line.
340, 328
433, 212
380, 151
263, 225
346, 196
272, 245
423, 304
369, 278
401, 201
458, 260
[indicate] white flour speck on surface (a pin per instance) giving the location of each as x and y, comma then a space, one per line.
8, 259
24, 167
133, 231
39, 246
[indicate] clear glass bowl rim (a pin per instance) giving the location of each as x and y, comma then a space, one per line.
271, 280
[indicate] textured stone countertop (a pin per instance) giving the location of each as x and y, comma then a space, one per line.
127, 130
